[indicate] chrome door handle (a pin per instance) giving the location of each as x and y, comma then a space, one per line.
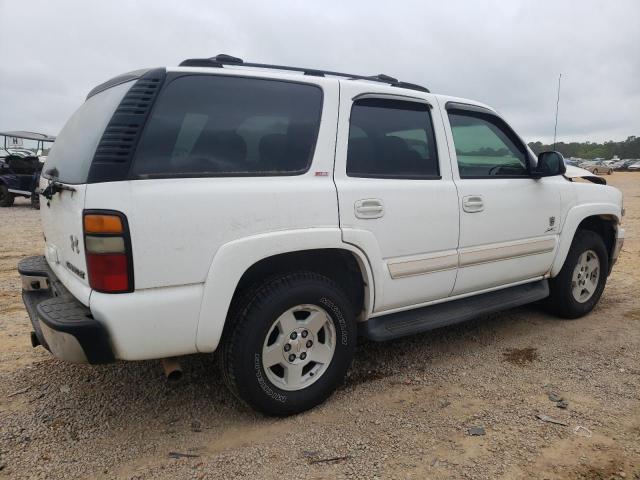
472, 203
369, 208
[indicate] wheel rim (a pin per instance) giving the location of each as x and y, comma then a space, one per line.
299, 347
586, 276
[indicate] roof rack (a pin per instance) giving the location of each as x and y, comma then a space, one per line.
223, 59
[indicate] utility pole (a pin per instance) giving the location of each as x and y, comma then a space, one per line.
555, 129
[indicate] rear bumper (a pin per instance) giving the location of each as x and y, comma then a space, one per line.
61, 323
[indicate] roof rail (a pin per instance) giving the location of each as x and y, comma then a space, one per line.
223, 59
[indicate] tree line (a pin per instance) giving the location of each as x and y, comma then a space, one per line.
629, 148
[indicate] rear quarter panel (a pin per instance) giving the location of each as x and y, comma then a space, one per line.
178, 226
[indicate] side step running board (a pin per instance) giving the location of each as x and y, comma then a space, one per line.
395, 325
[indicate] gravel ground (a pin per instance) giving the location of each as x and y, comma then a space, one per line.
407, 409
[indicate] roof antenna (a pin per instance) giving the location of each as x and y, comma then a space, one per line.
555, 129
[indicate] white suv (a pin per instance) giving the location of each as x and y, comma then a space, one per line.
276, 213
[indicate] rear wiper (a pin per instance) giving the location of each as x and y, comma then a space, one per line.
53, 188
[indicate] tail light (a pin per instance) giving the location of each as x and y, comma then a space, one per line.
108, 249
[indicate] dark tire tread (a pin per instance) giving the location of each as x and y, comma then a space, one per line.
560, 301
240, 318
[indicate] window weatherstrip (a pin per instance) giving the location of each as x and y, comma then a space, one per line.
391, 96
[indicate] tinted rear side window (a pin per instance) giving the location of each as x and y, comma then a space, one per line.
206, 125
391, 139
70, 157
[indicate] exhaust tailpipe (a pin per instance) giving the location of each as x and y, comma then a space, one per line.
172, 369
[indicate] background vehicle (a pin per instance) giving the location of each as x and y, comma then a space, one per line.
20, 167
633, 167
598, 167
272, 214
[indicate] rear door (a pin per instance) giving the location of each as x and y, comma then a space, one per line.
68, 163
397, 200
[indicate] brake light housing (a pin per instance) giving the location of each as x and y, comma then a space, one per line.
107, 246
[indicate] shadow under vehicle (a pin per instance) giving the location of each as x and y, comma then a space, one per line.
20, 167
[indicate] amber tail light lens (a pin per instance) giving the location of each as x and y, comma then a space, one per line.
108, 250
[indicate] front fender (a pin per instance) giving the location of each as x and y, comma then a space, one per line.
233, 259
573, 219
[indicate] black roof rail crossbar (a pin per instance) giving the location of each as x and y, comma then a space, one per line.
220, 60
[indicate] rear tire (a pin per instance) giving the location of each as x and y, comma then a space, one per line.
576, 290
35, 201
6, 197
271, 328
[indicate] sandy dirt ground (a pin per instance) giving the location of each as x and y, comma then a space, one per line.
406, 410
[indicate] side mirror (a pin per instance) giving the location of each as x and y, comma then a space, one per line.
549, 164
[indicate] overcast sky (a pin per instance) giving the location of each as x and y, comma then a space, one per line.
505, 53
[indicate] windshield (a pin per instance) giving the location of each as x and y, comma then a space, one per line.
70, 157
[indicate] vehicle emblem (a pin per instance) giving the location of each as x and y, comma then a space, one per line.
75, 270
74, 243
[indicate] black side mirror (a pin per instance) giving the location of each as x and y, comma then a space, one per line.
549, 164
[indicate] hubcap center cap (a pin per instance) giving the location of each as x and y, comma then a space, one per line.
299, 343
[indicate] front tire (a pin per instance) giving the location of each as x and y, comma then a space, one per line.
576, 290
6, 197
288, 347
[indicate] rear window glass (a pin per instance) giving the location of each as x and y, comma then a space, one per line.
206, 125
70, 157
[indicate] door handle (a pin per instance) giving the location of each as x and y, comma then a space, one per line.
369, 208
472, 203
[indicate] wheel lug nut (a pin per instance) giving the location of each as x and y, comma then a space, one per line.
287, 347
304, 334
292, 357
309, 343
303, 355
293, 335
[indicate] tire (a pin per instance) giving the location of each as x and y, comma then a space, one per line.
6, 197
35, 201
263, 324
562, 300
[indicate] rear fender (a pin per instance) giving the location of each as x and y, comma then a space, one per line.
233, 259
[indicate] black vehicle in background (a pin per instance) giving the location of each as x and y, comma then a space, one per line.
20, 167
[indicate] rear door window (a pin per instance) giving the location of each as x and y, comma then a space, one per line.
207, 125
391, 139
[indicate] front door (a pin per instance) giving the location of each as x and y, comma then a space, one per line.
396, 195
508, 220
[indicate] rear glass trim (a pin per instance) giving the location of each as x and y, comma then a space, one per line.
120, 79
171, 77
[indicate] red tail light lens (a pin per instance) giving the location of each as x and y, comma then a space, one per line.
108, 272
108, 251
